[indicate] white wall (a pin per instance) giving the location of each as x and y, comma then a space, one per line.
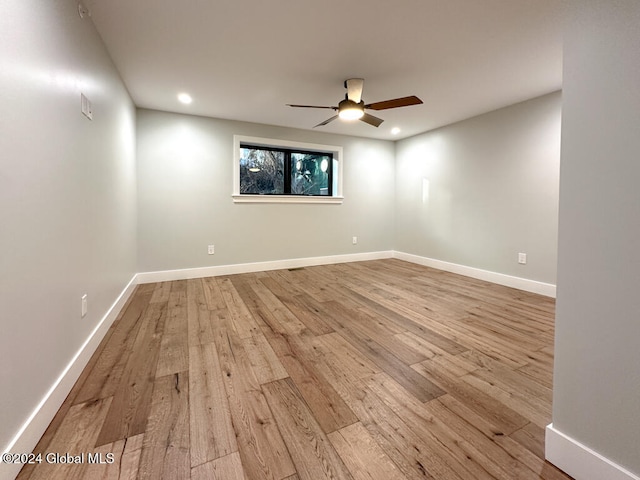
492, 191
596, 397
67, 196
185, 184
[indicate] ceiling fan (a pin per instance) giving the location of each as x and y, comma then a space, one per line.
353, 108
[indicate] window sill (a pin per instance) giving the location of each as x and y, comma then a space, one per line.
286, 199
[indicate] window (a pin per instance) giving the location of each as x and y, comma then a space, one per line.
271, 171
281, 171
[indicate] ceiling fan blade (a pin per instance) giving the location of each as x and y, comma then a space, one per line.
327, 121
311, 106
354, 89
395, 103
371, 120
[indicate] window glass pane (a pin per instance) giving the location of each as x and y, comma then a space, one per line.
261, 171
310, 174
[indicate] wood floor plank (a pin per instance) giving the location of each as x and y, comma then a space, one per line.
165, 447
262, 450
264, 362
485, 451
174, 346
293, 300
515, 449
421, 388
507, 333
312, 453
531, 436
130, 461
401, 443
515, 388
313, 282
455, 364
362, 455
286, 281
268, 324
198, 314
212, 434
539, 367
228, 467
386, 308
291, 324
344, 356
242, 318
349, 383
300, 362
161, 292
105, 471
76, 435
438, 440
129, 410
330, 410
310, 318
517, 316
373, 327
261, 447
440, 318
233, 358
212, 293
504, 418
533, 409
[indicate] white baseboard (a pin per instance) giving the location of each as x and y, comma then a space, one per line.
579, 461
533, 286
186, 273
32, 430
546, 289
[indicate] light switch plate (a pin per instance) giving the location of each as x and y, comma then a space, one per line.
86, 107
84, 305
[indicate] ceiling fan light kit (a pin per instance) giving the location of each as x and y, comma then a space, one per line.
350, 110
353, 107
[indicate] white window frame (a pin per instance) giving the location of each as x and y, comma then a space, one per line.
336, 198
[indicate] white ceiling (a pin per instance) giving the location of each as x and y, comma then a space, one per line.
246, 59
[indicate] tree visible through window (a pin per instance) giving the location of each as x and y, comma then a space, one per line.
261, 171
276, 171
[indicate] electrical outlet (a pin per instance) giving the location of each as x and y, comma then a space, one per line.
84, 305
355, 240
211, 249
522, 258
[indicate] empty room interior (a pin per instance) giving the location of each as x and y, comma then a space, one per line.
304, 240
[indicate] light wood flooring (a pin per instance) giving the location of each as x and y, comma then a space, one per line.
369, 370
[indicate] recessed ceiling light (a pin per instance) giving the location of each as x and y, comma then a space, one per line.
185, 98
395, 131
